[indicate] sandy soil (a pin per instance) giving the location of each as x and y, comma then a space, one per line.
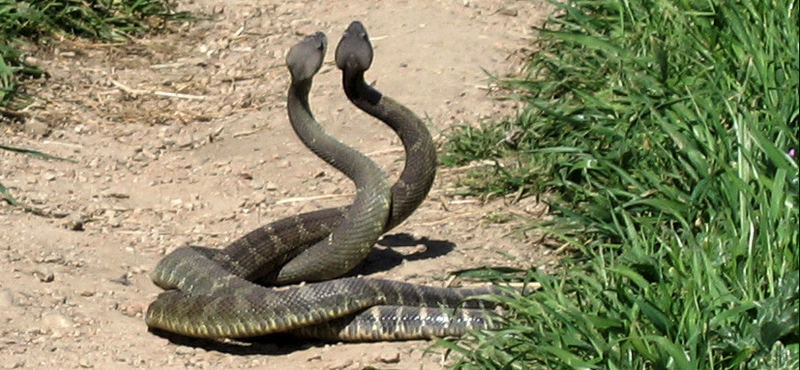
183, 138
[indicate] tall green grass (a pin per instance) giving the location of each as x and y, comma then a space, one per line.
37, 20
665, 134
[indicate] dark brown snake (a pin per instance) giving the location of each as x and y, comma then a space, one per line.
211, 294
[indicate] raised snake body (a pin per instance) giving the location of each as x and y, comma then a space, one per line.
212, 292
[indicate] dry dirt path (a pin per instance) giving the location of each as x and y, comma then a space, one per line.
215, 157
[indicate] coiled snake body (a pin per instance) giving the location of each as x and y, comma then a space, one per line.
211, 294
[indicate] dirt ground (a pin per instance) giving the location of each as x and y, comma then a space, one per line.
183, 138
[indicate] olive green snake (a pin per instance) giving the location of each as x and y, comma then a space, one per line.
211, 294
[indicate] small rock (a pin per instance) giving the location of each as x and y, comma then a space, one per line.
168, 141
315, 357
226, 110
6, 297
184, 350
37, 128
18, 364
50, 175
85, 364
114, 222
389, 357
123, 280
339, 365
132, 309
94, 163
75, 222
508, 11
139, 157
52, 258
55, 320
141, 269
44, 274
185, 140
116, 195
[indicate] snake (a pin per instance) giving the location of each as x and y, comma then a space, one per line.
211, 294
246, 257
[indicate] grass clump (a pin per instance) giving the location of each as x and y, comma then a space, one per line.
666, 133
38, 20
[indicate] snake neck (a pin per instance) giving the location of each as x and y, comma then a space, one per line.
364, 220
419, 170
357, 90
298, 96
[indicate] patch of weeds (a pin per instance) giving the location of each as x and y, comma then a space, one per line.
665, 135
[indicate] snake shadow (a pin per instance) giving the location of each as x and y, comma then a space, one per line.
383, 259
272, 345
379, 259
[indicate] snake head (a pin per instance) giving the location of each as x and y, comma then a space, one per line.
305, 59
354, 50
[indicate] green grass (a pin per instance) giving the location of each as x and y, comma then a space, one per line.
662, 132
38, 21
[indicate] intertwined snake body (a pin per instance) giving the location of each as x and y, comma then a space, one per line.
212, 294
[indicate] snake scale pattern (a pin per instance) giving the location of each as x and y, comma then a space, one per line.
211, 294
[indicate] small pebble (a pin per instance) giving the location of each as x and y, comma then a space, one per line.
123, 280
44, 274
339, 365
18, 364
6, 297
509, 12
132, 309
50, 175
74, 224
389, 357
55, 320
37, 128
85, 364
184, 350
